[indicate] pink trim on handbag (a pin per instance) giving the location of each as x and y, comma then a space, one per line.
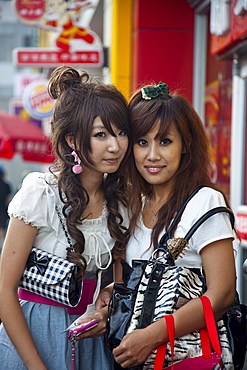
86, 298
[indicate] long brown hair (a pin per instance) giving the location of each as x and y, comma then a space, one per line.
78, 102
194, 169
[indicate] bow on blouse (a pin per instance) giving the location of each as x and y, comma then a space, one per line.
150, 92
41, 264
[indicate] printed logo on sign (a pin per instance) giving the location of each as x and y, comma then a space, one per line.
29, 11
37, 101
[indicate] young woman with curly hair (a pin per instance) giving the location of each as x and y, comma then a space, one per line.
87, 184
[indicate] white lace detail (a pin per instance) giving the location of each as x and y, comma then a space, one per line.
97, 221
22, 218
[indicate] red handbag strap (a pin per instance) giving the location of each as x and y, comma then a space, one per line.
211, 324
205, 343
160, 357
207, 334
161, 350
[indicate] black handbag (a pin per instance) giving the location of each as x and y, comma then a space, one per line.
235, 320
134, 305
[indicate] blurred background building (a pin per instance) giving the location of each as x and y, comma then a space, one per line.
198, 47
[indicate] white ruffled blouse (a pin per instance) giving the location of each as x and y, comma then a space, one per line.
35, 204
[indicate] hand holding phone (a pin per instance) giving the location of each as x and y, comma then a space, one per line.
75, 330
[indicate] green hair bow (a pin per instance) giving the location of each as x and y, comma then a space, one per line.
150, 92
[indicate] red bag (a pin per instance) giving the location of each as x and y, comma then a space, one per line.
209, 360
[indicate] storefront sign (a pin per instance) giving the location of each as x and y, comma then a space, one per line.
241, 225
218, 96
220, 17
73, 41
240, 8
17, 108
22, 80
29, 11
223, 41
39, 57
37, 101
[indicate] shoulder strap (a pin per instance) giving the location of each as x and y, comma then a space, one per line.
162, 244
197, 224
60, 217
207, 215
64, 228
167, 235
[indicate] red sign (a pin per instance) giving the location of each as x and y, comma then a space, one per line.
237, 32
239, 26
31, 10
241, 225
53, 57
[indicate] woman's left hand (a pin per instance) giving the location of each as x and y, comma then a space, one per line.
134, 348
101, 316
103, 299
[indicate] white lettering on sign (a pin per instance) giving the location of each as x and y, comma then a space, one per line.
220, 17
40, 100
42, 56
22, 146
240, 8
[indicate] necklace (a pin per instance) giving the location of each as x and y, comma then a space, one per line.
154, 213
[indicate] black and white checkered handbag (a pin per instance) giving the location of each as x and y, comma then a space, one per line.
51, 277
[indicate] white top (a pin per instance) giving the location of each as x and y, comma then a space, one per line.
35, 204
215, 228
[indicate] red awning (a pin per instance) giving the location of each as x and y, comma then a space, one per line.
18, 136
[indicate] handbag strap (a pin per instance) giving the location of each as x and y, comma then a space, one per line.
207, 215
64, 228
161, 350
211, 324
60, 217
162, 244
167, 235
206, 334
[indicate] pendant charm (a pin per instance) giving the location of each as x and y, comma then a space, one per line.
176, 247
154, 216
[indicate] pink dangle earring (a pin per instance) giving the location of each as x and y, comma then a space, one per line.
77, 168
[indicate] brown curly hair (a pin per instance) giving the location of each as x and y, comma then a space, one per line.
78, 102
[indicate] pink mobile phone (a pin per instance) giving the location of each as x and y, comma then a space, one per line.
77, 329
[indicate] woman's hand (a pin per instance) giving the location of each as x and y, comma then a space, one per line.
103, 299
101, 316
134, 348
